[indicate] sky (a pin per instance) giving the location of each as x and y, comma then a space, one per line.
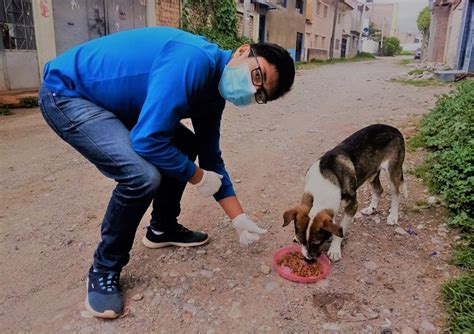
408, 12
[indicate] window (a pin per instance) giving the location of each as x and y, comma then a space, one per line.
299, 6
326, 8
337, 44
16, 25
282, 3
316, 40
323, 42
318, 8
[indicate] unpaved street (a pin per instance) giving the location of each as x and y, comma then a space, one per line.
52, 202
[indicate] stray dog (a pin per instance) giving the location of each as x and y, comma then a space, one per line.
332, 182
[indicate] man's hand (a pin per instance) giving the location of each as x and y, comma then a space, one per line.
247, 230
209, 184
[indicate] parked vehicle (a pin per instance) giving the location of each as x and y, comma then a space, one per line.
418, 53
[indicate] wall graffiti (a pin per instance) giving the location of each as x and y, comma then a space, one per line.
44, 8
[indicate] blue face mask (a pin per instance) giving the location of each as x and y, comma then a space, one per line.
236, 85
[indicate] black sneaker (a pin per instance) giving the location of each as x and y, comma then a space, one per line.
103, 294
180, 236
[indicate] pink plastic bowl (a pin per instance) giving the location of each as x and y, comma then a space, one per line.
285, 273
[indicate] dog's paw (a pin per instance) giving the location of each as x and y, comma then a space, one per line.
367, 211
392, 219
334, 253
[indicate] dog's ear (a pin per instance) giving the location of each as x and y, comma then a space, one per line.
329, 226
289, 216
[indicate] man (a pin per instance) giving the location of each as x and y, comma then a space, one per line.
119, 100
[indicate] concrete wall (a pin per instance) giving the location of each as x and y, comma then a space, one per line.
282, 26
453, 33
22, 69
370, 46
410, 46
438, 31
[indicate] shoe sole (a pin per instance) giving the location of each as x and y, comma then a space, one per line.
154, 245
108, 314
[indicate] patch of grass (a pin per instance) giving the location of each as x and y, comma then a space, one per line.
416, 71
318, 62
29, 102
407, 53
415, 142
5, 110
464, 256
405, 61
458, 295
420, 83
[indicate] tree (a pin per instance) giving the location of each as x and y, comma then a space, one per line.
391, 46
423, 23
423, 20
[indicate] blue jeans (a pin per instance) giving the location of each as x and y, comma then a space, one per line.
103, 139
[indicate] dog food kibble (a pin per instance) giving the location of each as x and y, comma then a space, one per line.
299, 266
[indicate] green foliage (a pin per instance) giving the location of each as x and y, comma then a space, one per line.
391, 46
420, 83
448, 132
405, 61
423, 20
5, 111
464, 255
459, 298
214, 19
416, 71
29, 102
407, 53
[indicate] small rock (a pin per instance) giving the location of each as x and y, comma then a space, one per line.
137, 297
213, 288
432, 200
201, 251
401, 231
408, 330
440, 268
264, 211
435, 241
149, 293
265, 269
86, 314
178, 291
207, 273
229, 252
358, 215
264, 328
331, 326
271, 286
190, 301
420, 226
427, 326
235, 312
376, 220
237, 181
190, 308
371, 265
173, 274
210, 331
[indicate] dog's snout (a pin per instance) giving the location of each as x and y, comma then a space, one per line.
310, 260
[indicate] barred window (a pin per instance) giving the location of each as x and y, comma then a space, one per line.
16, 25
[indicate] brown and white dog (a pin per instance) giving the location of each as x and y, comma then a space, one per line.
331, 183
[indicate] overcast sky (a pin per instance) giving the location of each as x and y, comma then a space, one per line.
408, 13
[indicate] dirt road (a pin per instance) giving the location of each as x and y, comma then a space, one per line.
52, 202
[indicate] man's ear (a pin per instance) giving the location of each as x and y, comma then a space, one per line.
329, 226
289, 216
241, 50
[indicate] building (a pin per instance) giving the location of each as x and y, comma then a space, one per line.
33, 32
452, 34
385, 17
410, 41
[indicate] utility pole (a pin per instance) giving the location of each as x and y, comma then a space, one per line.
245, 23
362, 25
331, 47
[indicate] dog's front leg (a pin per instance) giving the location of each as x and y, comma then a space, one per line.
335, 252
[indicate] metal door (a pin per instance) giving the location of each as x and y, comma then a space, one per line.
343, 47
77, 21
261, 29
299, 46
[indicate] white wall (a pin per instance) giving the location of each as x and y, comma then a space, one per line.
22, 69
410, 46
370, 46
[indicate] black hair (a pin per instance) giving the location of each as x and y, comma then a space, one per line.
284, 64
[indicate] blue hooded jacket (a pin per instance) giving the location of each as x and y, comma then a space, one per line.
152, 78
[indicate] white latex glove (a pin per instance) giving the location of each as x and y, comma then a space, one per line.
247, 230
209, 184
